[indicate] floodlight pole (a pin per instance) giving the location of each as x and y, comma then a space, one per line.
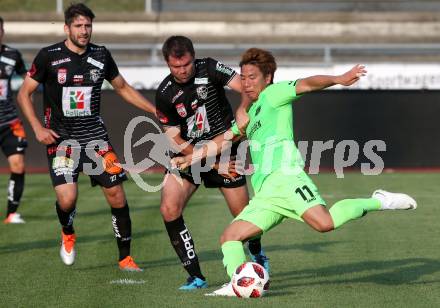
59, 6
148, 6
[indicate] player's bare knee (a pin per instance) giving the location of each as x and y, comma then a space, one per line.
323, 226
170, 211
230, 236
115, 196
19, 169
224, 238
66, 202
16, 167
235, 210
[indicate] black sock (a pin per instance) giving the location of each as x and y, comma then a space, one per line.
66, 219
254, 246
15, 191
184, 246
122, 227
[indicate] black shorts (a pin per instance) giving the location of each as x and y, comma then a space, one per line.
65, 164
13, 138
212, 179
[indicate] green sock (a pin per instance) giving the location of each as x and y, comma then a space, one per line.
349, 209
233, 256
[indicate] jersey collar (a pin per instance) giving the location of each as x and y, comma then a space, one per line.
66, 49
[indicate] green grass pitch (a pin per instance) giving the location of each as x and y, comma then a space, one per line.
386, 259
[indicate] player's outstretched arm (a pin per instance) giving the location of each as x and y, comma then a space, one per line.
319, 82
131, 95
212, 148
24, 100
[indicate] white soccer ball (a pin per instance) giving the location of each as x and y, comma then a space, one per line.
250, 280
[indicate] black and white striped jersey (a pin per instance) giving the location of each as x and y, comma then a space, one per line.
10, 62
72, 90
199, 107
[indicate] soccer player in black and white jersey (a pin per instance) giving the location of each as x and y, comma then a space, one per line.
72, 73
192, 106
12, 135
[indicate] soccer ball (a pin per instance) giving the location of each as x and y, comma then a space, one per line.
250, 280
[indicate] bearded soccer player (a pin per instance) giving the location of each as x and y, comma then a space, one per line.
12, 135
282, 189
72, 73
192, 106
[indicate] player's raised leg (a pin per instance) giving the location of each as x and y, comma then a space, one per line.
394, 201
175, 194
323, 220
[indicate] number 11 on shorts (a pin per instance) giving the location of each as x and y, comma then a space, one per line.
305, 193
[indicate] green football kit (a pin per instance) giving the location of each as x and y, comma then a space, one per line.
282, 188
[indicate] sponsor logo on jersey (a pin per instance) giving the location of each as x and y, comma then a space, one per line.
95, 74
202, 92
78, 78
181, 110
201, 81
177, 96
54, 49
95, 63
7, 60
60, 61
62, 75
200, 121
3, 89
194, 104
198, 124
224, 69
76, 101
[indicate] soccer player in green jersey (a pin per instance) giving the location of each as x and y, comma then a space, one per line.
282, 189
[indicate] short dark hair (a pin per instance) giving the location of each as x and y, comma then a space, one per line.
77, 9
262, 59
177, 46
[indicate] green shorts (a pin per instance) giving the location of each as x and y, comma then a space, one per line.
281, 196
